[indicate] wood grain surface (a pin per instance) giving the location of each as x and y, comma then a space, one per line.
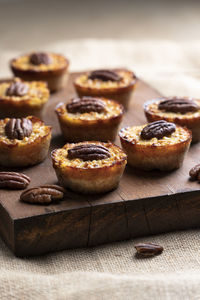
145, 202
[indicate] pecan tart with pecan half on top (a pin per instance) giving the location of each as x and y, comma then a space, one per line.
21, 99
182, 111
23, 142
89, 167
89, 118
116, 84
158, 145
41, 66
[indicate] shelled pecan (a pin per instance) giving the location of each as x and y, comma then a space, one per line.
148, 249
88, 152
195, 173
157, 129
104, 75
178, 105
18, 128
85, 104
17, 88
43, 194
14, 180
39, 58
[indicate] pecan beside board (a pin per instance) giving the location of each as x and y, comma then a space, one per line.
148, 249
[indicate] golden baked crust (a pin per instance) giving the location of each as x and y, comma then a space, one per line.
189, 119
165, 154
92, 125
29, 151
55, 73
94, 176
31, 103
120, 91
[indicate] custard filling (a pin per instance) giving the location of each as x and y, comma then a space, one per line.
127, 78
23, 63
132, 134
116, 155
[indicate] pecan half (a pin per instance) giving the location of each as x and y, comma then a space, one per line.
17, 88
18, 128
88, 152
40, 58
13, 180
104, 75
85, 104
148, 249
195, 173
178, 105
157, 129
43, 194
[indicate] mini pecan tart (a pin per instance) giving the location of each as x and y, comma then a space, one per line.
158, 145
89, 119
23, 142
20, 99
115, 84
182, 111
89, 167
39, 66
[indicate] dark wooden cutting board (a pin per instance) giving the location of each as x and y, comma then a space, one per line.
145, 203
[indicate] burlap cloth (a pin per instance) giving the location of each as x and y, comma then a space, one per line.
112, 271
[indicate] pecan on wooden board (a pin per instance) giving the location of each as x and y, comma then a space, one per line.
18, 128
88, 152
44, 194
157, 129
148, 249
14, 180
104, 75
85, 104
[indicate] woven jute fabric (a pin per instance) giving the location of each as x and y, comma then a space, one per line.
112, 271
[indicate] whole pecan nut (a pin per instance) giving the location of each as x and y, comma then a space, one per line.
85, 104
43, 194
148, 249
195, 173
14, 180
178, 105
18, 128
17, 88
105, 75
39, 58
88, 152
157, 129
